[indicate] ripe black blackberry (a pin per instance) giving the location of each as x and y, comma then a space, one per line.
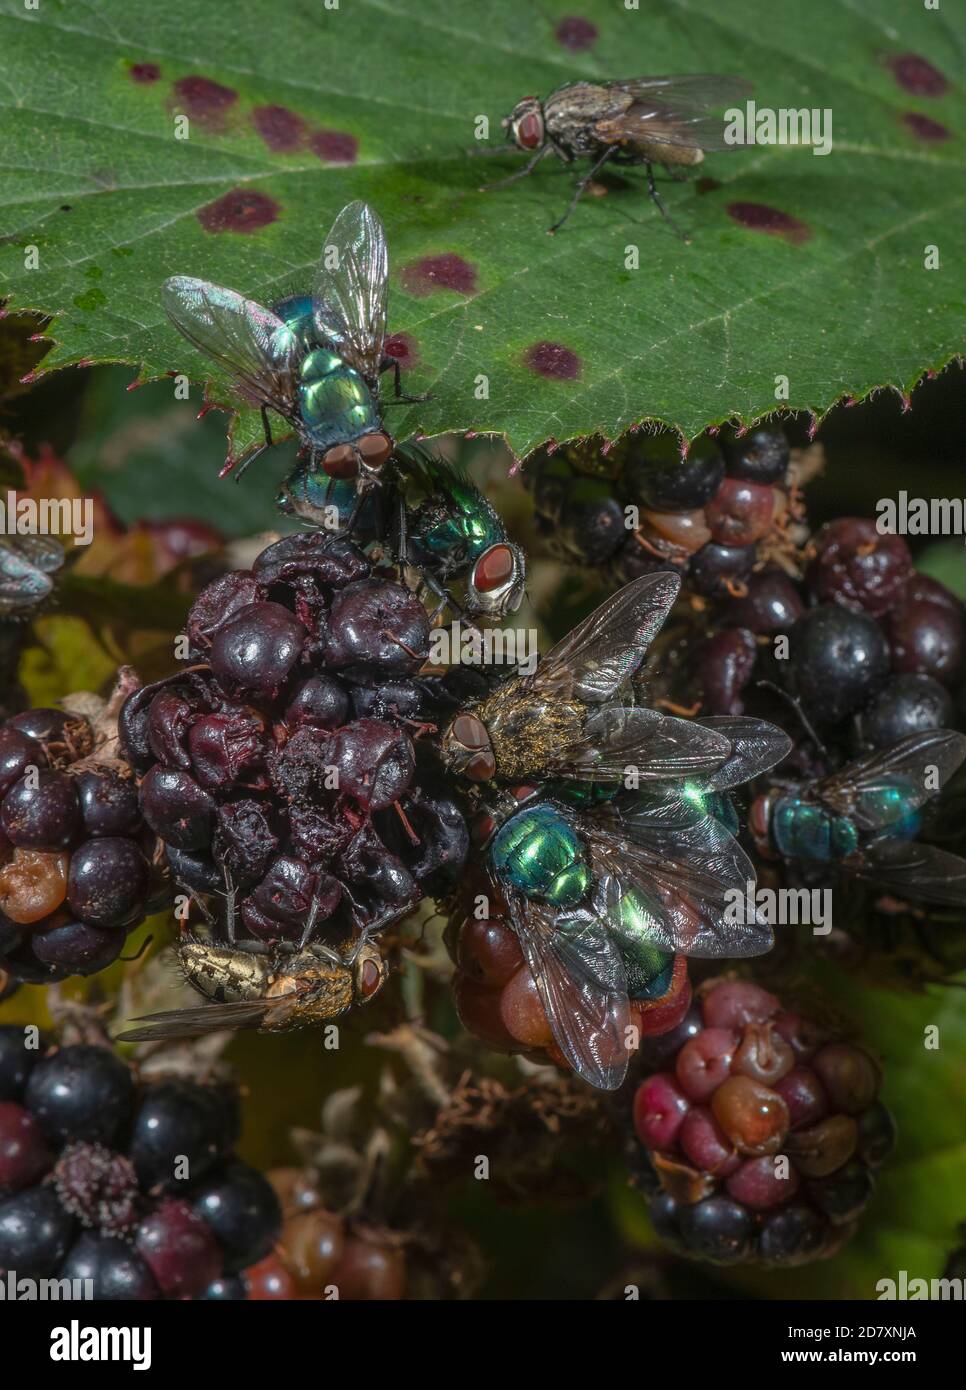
76, 858
133, 1186
286, 767
763, 1131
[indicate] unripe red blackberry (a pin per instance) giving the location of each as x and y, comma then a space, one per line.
762, 1131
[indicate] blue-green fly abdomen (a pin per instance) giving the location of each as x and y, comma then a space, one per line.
633, 925
538, 852
893, 809
298, 313
335, 403
802, 830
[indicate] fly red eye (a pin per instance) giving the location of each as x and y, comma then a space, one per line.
340, 461
481, 767
530, 131
370, 979
375, 449
494, 568
470, 732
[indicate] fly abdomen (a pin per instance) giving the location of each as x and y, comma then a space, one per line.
539, 853
222, 974
802, 830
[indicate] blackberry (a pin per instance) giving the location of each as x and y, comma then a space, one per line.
129, 1184
75, 876
905, 705
81, 1092
858, 567
839, 660
284, 764
763, 1131
640, 506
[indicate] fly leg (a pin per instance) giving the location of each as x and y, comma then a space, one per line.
398, 393
309, 927
652, 189
247, 463
519, 173
582, 185
231, 894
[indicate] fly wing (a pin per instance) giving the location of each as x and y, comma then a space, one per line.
253, 345
674, 110
210, 1018
921, 872
857, 789
690, 865
350, 293
579, 971
658, 746
605, 650
756, 746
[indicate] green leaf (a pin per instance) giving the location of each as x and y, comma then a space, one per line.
91, 174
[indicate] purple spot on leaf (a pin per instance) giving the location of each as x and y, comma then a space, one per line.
446, 272
204, 101
553, 360
759, 217
144, 72
403, 348
576, 33
917, 75
923, 128
334, 146
280, 128
241, 210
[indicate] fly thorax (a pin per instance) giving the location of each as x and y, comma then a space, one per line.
335, 402
529, 734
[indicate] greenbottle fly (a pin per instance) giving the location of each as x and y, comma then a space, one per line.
596, 877
635, 120
865, 818
274, 994
434, 517
601, 895
315, 360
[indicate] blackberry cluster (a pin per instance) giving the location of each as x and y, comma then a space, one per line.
76, 857
876, 649
287, 763
762, 1131
708, 515
132, 1186
497, 998
321, 1254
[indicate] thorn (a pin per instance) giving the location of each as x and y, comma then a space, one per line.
713, 430
683, 448
812, 425
606, 447
204, 411
135, 384
471, 434
552, 448
34, 337
31, 376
